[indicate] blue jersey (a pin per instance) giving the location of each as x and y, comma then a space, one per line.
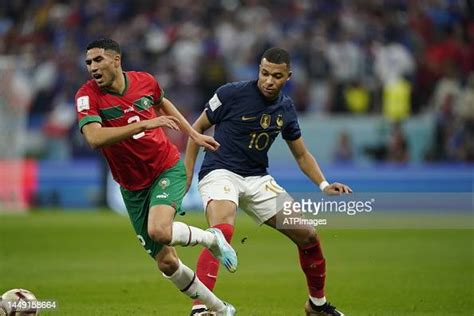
246, 125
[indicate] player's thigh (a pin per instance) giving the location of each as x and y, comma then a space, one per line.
166, 196
137, 204
169, 188
220, 191
263, 198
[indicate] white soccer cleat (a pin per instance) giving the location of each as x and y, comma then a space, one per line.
223, 251
201, 310
228, 311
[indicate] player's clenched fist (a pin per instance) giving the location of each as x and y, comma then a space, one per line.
162, 121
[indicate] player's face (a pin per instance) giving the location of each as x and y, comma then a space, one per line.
102, 65
272, 78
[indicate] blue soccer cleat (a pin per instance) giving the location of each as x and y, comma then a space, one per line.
223, 251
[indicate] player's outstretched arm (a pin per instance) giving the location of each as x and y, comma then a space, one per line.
202, 140
201, 125
311, 169
98, 136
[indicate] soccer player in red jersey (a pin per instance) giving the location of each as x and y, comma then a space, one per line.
248, 116
118, 113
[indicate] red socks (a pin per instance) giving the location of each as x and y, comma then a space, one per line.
207, 265
314, 267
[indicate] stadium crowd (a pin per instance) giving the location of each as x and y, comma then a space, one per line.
385, 57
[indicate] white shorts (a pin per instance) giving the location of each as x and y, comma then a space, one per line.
259, 196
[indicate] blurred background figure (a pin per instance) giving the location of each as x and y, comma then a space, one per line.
343, 151
394, 149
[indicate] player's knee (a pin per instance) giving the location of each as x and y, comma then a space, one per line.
160, 234
308, 239
168, 264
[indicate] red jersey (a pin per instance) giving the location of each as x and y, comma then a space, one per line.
135, 162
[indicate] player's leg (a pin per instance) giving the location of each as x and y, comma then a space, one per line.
312, 263
186, 281
162, 229
220, 197
166, 195
137, 203
264, 199
221, 215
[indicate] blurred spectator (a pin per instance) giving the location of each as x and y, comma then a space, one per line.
60, 120
343, 153
397, 147
357, 98
394, 149
465, 115
346, 64
393, 61
396, 100
466, 101
318, 68
445, 101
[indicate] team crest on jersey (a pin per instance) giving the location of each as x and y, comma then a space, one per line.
144, 103
164, 183
265, 121
279, 120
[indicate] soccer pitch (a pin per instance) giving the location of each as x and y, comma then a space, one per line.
91, 263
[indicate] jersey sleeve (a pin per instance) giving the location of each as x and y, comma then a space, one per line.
219, 106
158, 92
291, 130
87, 107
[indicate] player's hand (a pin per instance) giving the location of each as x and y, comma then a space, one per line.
168, 121
207, 142
337, 189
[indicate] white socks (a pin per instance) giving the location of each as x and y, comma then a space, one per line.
187, 282
184, 235
318, 301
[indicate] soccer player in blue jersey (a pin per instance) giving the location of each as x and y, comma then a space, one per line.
248, 116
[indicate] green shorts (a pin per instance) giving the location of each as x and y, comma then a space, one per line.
168, 189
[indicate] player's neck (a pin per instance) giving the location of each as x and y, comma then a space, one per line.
119, 85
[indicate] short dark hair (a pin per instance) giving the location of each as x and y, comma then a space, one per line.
105, 43
277, 55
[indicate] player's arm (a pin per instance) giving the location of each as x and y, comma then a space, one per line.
202, 140
311, 169
98, 136
201, 125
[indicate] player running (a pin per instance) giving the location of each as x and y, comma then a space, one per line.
248, 116
117, 112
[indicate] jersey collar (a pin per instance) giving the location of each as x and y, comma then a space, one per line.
124, 90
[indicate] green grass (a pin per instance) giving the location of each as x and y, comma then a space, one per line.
92, 264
